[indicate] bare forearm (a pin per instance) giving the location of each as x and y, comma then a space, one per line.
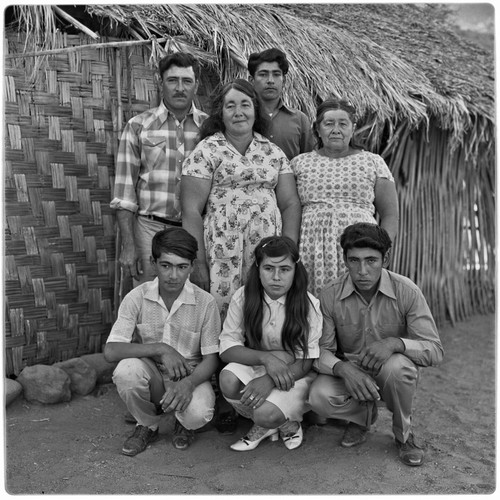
244, 356
291, 217
192, 222
125, 220
300, 368
116, 351
204, 370
390, 224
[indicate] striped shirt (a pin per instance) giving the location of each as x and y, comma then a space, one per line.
152, 148
192, 326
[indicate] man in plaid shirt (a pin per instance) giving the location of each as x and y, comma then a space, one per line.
149, 161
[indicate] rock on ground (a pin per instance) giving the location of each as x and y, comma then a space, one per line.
12, 390
83, 377
103, 368
45, 384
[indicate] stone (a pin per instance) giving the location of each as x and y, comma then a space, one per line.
103, 368
13, 389
45, 384
83, 377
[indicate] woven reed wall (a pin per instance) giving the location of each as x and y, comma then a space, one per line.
62, 124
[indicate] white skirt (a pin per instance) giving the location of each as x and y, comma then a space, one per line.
292, 403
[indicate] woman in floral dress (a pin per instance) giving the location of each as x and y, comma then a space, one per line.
237, 187
338, 185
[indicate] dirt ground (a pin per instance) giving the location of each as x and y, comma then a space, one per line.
74, 448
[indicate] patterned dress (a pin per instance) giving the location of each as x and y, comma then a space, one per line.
241, 207
334, 193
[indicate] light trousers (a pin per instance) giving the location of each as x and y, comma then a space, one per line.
397, 381
140, 385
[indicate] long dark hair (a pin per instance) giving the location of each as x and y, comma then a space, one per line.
214, 123
295, 333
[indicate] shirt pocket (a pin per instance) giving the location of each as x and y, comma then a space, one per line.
153, 153
392, 330
349, 338
187, 344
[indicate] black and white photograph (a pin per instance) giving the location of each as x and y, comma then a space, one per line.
214, 209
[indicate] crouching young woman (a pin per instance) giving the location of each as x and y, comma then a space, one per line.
269, 339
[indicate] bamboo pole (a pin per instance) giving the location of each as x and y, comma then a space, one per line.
118, 128
74, 48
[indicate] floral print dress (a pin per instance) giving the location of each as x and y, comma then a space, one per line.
241, 207
334, 193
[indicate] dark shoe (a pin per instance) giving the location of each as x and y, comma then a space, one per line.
182, 437
410, 453
139, 440
227, 422
312, 418
354, 435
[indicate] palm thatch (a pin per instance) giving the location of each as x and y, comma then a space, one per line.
425, 100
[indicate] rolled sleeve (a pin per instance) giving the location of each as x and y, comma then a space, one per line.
128, 163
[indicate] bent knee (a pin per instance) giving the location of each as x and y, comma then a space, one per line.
268, 416
230, 384
399, 366
200, 410
128, 371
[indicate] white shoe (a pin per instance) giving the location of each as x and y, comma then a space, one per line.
253, 438
292, 440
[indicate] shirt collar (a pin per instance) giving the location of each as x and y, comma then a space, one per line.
163, 113
187, 295
283, 107
385, 286
269, 300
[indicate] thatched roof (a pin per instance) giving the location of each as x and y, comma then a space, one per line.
399, 63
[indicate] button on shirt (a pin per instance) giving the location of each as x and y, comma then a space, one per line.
191, 327
398, 309
149, 161
233, 332
291, 131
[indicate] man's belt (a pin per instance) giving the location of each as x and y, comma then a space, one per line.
162, 220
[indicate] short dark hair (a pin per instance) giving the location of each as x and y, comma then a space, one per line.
365, 235
214, 123
174, 240
268, 55
329, 105
181, 59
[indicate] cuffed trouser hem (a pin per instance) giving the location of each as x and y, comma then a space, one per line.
397, 381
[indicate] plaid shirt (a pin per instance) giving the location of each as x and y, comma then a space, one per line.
149, 161
192, 326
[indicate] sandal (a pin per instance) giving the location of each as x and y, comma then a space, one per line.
182, 437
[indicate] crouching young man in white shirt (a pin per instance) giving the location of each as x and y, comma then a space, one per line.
166, 339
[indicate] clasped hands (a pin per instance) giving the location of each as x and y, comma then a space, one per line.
178, 388
359, 384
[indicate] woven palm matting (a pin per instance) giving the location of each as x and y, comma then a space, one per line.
61, 132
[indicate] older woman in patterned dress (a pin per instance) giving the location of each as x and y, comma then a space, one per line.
338, 185
237, 187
